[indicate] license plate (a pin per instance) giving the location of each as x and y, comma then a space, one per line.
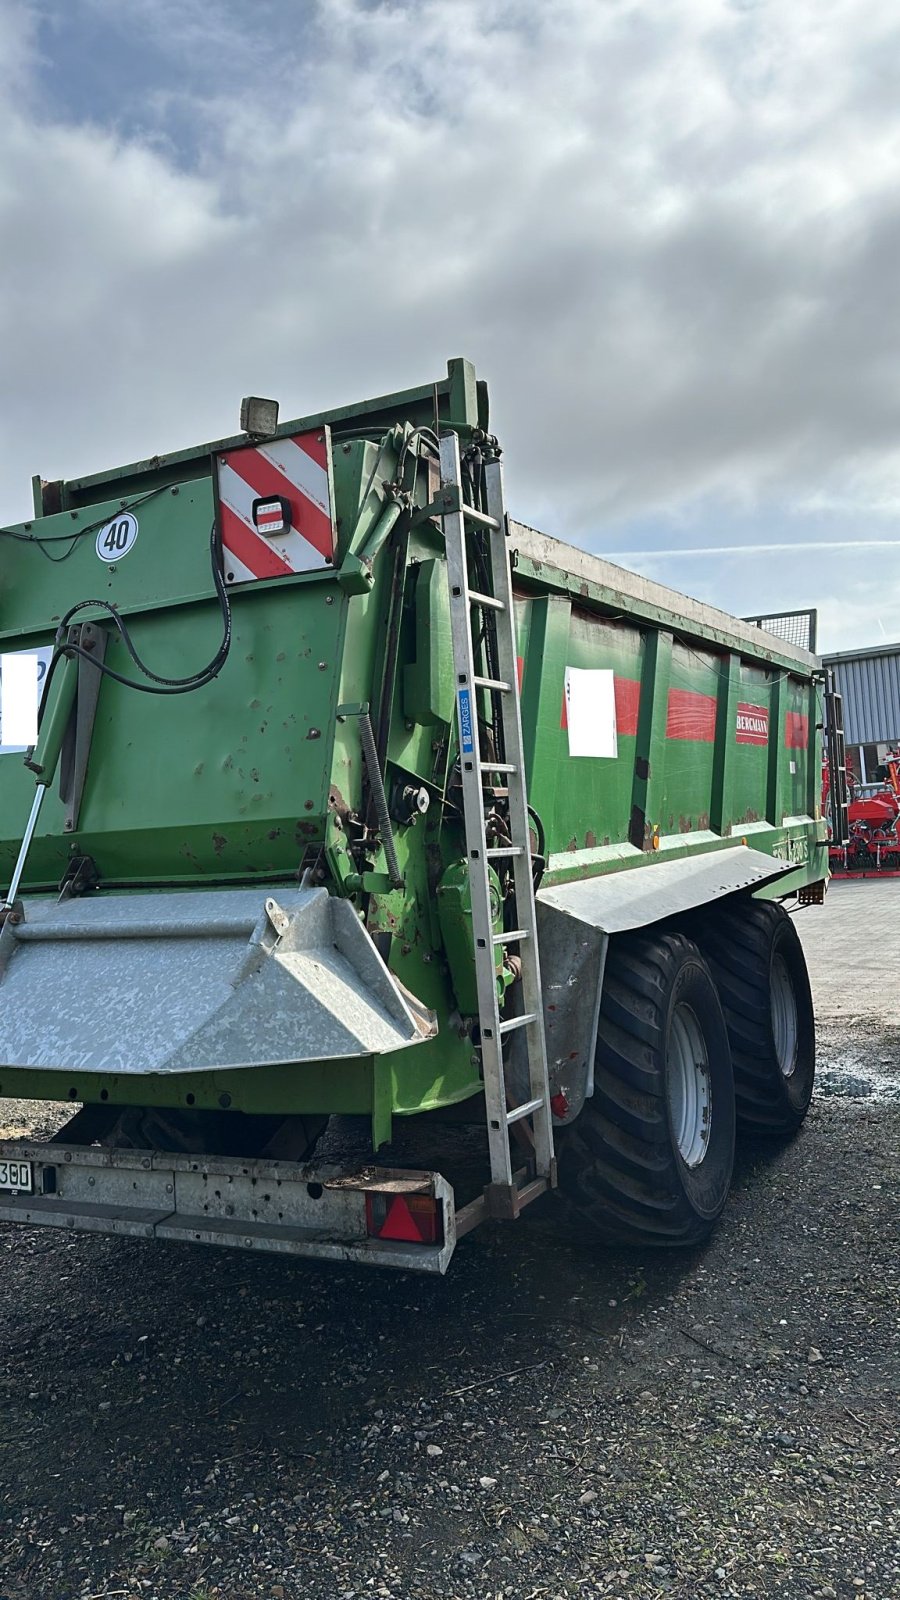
16, 1175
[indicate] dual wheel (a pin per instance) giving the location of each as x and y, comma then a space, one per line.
699, 1029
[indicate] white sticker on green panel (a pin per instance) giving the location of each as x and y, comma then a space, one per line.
591, 712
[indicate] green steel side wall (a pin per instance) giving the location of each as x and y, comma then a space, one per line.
229, 781
683, 780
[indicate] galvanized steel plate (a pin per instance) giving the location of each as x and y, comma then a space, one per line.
575, 921
617, 901
197, 981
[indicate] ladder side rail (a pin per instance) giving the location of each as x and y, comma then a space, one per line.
519, 826
473, 813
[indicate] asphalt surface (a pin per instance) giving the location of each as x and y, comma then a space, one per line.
549, 1420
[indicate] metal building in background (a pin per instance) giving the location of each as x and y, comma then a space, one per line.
869, 681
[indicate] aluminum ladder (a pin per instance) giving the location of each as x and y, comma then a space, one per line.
492, 601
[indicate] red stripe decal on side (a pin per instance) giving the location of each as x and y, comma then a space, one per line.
691, 716
520, 670
796, 730
260, 557
628, 700
265, 480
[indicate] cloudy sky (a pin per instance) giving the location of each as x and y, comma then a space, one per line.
666, 231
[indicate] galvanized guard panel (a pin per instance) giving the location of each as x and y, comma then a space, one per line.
183, 982
618, 901
575, 921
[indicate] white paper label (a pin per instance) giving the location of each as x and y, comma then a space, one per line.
21, 676
591, 711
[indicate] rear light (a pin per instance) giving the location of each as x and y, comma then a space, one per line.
415, 1218
272, 515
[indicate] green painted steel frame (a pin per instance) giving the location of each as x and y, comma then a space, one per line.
458, 401
672, 792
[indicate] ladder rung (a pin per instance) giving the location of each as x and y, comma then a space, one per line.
518, 1022
527, 1110
479, 517
487, 602
476, 596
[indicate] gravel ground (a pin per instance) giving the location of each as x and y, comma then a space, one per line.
549, 1420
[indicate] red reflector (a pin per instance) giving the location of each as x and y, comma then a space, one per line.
414, 1218
559, 1105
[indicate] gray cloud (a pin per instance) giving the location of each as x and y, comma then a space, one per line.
668, 235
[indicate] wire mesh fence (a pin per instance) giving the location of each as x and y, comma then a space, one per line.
794, 627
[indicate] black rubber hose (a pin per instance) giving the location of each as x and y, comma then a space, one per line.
379, 798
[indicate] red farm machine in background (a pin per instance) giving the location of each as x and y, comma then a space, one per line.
864, 818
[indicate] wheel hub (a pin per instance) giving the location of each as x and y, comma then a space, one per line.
784, 1016
689, 1086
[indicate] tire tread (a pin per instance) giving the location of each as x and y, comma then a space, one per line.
617, 1164
738, 943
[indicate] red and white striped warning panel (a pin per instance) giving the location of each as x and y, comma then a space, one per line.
275, 508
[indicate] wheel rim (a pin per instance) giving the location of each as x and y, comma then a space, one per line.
689, 1086
784, 1016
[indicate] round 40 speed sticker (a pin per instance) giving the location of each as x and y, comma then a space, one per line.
116, 538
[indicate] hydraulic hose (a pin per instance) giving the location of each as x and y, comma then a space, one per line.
379, 798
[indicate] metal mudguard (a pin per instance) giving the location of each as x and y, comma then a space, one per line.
193, 981
575, 922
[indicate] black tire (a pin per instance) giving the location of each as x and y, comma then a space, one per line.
748, 945
620, 1165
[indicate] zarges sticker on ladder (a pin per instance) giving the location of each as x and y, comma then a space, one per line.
275, 507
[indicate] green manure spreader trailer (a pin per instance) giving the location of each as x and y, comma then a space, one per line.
327, 789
